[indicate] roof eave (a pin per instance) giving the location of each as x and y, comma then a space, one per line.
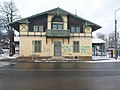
93, 25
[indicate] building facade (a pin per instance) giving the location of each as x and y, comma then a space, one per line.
55, 33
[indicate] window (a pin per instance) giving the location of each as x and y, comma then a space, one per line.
72, 29
60, 26
37, 28
76, 46
37, 46
75, 29
57, 26
41, 28
57, 23
54, 26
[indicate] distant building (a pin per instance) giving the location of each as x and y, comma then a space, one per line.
98, 46
55, 33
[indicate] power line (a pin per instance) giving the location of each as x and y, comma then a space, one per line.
108, 21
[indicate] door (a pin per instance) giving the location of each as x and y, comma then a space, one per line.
57, 48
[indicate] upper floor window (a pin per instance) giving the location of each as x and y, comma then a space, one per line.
37, 28
75, 30
57, 23
40, 28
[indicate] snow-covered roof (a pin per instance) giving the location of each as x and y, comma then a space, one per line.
97, 40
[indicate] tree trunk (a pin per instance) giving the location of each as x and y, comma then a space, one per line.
12, 44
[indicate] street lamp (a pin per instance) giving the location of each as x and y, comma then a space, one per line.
116, 52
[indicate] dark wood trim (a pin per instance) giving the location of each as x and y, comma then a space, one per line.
46, 40
73, 21
32, 35
68, 40
39, 20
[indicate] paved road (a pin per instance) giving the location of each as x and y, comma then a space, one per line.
60, 76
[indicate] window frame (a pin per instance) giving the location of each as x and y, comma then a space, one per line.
57, 23
37, 46
40, 28
56, 26
76, 48
36, 28
75, 29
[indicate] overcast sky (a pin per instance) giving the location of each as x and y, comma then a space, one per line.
101, 12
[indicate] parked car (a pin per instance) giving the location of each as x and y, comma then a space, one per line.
1, 51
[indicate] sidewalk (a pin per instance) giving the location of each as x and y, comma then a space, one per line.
103, 59
96, 59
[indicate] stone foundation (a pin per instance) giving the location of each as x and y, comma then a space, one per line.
84, 58
35, 57
79, 57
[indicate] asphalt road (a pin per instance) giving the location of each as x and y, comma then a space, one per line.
60, 76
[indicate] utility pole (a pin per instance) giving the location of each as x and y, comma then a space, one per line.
116, 44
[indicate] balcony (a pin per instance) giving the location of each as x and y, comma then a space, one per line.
57, 33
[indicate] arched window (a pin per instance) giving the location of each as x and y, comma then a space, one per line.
57, 23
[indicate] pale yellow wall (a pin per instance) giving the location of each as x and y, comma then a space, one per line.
48, 49
23, 27
86, 46
49, 21
65, 21
26, 46
88, 31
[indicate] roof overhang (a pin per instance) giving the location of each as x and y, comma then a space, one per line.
57, 11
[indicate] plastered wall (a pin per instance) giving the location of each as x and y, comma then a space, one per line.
26, 46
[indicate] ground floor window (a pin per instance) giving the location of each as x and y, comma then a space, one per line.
76, 46
37, 46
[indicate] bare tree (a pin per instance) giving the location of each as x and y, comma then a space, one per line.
9, 14
101, 36
111, 41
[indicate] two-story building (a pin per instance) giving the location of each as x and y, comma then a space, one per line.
55, 33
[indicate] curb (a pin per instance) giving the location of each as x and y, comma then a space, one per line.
60, 61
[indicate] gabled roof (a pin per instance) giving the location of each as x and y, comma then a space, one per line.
56, 11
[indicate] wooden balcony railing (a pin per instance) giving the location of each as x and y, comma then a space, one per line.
57, 33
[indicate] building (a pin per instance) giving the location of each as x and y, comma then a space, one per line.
99, 47
55, 33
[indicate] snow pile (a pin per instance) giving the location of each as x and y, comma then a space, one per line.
5, 63
101, 57
6, 55
103, 61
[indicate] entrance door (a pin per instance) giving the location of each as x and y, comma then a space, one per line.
57, 48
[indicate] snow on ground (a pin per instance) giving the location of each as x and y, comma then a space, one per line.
102, 59
6, 55
96, 59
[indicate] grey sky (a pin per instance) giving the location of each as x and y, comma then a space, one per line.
98, 11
